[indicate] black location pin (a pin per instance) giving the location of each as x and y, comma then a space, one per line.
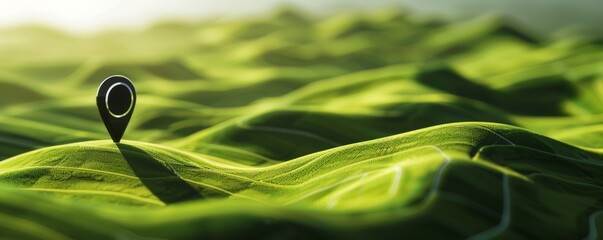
116, 98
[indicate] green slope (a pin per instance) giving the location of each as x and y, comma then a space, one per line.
284, 126
484, 174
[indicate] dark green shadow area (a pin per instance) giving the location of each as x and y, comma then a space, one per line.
162, 181
544, 96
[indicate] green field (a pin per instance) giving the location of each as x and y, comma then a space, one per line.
285, 126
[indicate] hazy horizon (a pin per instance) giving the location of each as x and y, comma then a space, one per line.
92, 16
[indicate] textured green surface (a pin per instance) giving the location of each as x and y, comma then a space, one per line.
355, 126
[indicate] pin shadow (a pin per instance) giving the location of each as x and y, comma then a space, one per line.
162, 181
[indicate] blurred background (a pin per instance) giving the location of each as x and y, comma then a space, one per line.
542, 16
384, 66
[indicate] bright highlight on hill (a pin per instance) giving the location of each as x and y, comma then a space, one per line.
356, 126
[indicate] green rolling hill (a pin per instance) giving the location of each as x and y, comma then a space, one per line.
356, 126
